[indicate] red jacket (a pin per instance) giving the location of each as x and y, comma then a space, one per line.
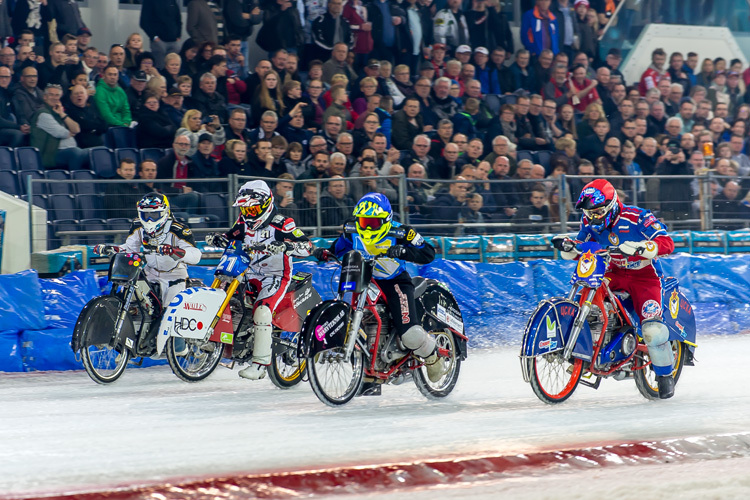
363, 43
650, 79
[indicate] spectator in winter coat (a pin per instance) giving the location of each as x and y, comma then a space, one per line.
407, 124
203, 21
87, 116
161, 20
155, 129
111, 100
447, 206
67, 16
52, 132
539, 29
11, 133
192, 127
203, 166
331, 28
390, 32
451, 27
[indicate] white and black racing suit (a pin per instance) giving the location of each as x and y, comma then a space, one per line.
171, 274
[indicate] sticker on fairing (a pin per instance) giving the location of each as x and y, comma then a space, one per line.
298, 233
450, 319
227, 338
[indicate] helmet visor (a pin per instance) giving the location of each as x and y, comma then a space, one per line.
151, 215
372, 223
252, 210
596, 213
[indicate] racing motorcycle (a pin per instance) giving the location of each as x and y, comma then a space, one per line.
595, 333
347, 342
217, 322
112, 329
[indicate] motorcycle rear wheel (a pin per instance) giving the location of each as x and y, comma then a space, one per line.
446, 383
286, 369
554, 379
335, 380
645, 379
200, 361
103, 362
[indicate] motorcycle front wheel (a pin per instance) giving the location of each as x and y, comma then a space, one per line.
451, 368
334, 379
645, 378
286, 369
200, 361
554, 379
103, 361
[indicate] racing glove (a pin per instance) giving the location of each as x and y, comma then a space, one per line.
646, 249
103, 249
563, 243
396, 252
322, 254
175, 252
277, 247
217, 240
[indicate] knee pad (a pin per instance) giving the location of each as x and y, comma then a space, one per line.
654, 332
263, 316
418, 341
656, 336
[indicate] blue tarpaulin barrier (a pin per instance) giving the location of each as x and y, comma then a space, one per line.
495, 299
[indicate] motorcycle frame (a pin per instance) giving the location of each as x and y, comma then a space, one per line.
601, 294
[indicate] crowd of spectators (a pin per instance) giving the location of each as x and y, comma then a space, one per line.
362, 92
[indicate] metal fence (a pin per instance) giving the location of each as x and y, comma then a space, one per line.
94, 211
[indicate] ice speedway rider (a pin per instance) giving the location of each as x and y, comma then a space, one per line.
641, 239
374, 233
270, 272
173, 241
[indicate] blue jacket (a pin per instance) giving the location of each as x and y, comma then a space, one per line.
531, 32
418, 250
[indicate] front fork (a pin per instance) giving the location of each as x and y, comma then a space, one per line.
583, 313
355, 324
124, 311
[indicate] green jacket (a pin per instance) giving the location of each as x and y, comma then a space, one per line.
45, 143
113, 105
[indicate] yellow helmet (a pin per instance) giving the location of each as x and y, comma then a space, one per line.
373, 215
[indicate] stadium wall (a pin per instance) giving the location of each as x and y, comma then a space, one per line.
38, 315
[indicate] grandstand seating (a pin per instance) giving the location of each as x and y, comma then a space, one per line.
28, 158
102, 162
120, 137
9, 182
35, 174
7, 159
84, 187
54, 188
154, 154
131, 153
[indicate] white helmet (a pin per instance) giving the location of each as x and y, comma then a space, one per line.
255, 200
153, 211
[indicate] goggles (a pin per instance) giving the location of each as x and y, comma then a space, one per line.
251, 211
373, 223
152, 215
596, 213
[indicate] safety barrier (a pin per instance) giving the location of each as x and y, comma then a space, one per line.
495, 299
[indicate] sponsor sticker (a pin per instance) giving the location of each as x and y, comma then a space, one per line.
614, 239
298, 233
551, 328
674, 304
650, 309
227, 338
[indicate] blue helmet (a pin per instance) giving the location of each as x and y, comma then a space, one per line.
373, 215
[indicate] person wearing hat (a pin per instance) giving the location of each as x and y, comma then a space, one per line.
204, 166
136, 92
437, 59
539, 29
463, 54
83, 36
451, 27
612, 61
172, 105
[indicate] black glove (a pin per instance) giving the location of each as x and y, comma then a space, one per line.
103, 249
322, 254
396, 252
277, 247
563, 243
217, 240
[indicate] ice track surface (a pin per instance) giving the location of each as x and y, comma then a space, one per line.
62, 433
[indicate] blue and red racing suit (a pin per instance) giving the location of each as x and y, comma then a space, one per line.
639, 276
